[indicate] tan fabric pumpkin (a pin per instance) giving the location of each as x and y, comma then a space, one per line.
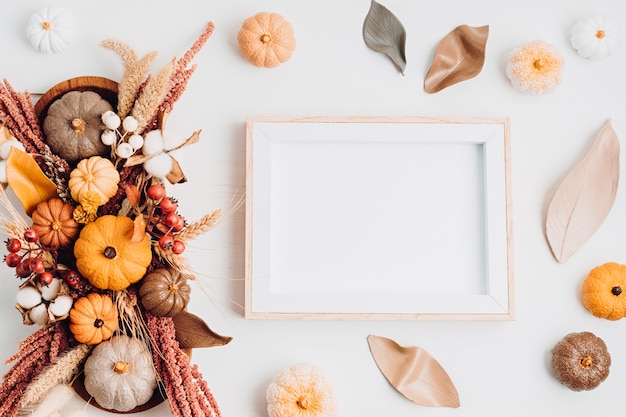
266, 40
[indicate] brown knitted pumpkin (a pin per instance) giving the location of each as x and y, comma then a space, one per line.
164, 292
54, 223
73, 125
266, 40
581, 361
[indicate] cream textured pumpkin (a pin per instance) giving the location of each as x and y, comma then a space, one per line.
266, 40
96, 176
119, 374
49, 30
594, 37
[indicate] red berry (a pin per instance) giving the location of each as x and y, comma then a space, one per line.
155, 192
22, 269
72, 278
31, 235
12, 260
180, 225
168, 205
36, 265
46, 278
166, 242
14, 245
178, 247
170, 219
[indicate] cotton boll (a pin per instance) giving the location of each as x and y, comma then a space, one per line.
172, 140
39, 314
5, 148
158, 166
130, 124
61, 305
28, 297
125, 150
152, 143
136, 141
49, 292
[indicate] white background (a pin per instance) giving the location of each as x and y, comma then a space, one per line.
499, 368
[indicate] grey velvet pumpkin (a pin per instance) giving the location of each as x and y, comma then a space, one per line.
164, 292
73, 125
581, 361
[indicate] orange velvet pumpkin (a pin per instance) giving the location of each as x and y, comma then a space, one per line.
266, 40
54, 223
109, 255
603, 291
93, 318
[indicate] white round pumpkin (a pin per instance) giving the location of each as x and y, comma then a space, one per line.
119, 374
594, 37
49, 30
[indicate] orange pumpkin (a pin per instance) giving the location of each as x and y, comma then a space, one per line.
266, 40
54, 223
93, 318
603, 291
109, 253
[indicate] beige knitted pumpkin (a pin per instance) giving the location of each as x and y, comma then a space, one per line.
266, 40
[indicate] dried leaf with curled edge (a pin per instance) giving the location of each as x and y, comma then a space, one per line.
585, 197
414, 373
192, 332
459, 56
384, 33
27, 180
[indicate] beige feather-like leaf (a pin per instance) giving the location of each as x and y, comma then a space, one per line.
414, 373
585, 197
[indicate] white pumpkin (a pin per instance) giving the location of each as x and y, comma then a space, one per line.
119, 374
49, 30
594, 37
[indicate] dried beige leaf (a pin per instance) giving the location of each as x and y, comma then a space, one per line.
459, 56
414, 373
384, 33
584, 199
27, 180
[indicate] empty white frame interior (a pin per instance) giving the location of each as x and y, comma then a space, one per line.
378, 218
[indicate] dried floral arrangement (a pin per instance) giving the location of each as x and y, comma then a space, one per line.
98, 244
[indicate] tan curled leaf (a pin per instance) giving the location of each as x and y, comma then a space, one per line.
584, 199
459, 56
414, 373
30, 185
384, 33
192, 332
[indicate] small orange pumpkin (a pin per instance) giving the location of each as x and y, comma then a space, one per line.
54, 223
603, 291
93, 318
109, 254
266, 40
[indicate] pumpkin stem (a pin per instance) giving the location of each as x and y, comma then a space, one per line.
121, 367
538, 64
173, 287
586, 362
78, 125
600, 34
46, 25
110, 252
302, 402
266, 38
98, 323
617, 290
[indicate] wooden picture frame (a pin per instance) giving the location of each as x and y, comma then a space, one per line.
378, 218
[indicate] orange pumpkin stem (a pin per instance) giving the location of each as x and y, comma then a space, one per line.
586, 362
303, 403
174, 287
266, 38
600, 34
121, 367
78, 125
46, 25
538, 64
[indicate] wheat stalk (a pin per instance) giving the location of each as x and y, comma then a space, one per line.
62, 371
201, 226
151, 96
180, 263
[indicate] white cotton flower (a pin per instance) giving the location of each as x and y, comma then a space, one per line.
111, 120
172, 140
39, 314
130, 124
136, 141
159, 165
5, 148
152, 143
125, 150
28, 297
108, 137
